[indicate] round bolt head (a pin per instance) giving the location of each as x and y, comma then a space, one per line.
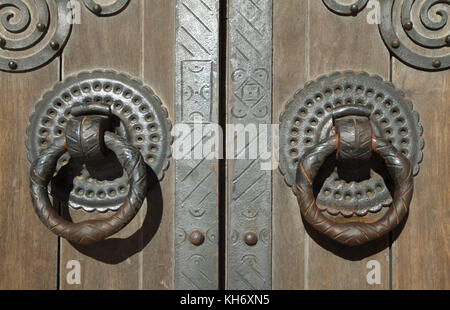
447, 40
2, 42
54, 45
395, 43
97, 9
12, 65
354, 8
436, 63
250, 238
41, 27
408, 25
197, 238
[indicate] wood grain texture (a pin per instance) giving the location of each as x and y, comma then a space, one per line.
289, 73
111, 43
328, 43
28, 251
421, 254
159, 73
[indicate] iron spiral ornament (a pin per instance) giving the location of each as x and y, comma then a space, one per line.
438, 37
415, 31
32, 32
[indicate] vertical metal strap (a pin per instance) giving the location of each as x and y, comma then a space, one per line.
196, 211
250, 104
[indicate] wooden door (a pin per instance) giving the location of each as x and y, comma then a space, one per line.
309, 41
224, 222
138, 41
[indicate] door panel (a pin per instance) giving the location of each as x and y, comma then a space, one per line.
103, 40
289, 74
320, 44
360, 50
420, 253
138, 257
28, 250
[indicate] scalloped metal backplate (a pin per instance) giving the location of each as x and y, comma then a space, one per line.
143, 121
307, 120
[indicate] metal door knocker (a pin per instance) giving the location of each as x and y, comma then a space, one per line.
350, 147
90, 138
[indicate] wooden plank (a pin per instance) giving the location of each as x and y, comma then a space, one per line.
159, 74
28, 258
336, 44
113, 43
321, 43
289, 73
421, 254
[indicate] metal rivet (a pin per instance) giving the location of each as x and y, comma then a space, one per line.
436, 63
250, 238
395, 43
447, 40
97, 9
408, 25
196, 238
41, 27
54, 45
2, 42
12, 65
354, 8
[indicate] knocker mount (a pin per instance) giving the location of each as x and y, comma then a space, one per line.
95, 128
354, 115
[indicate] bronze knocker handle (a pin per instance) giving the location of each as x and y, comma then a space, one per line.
353, 233
91, 231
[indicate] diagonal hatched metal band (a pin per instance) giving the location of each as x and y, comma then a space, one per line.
250, 104
196, 105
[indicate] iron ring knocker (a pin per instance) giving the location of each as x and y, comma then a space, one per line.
354, 233
44, 167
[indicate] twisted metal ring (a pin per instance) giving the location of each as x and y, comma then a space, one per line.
354, 233
91, 231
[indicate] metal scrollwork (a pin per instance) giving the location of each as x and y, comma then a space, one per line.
422, 40
403, 52
43, 36
106, 10
343, 9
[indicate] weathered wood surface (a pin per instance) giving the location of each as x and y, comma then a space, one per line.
311, 41
28, 251
421, 254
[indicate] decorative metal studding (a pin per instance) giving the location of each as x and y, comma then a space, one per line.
43, 28
250, 238
197, 238
355, 115
98, 183
411, 40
